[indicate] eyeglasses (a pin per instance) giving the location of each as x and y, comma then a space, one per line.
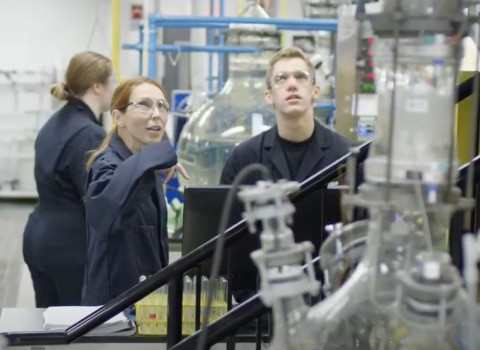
302, 77
147, 105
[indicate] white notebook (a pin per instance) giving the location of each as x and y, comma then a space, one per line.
62, 317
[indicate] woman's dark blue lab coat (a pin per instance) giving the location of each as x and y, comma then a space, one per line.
54, 244
126, 218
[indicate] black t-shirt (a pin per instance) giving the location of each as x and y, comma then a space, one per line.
294, 153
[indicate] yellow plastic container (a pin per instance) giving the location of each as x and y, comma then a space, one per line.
151, 313
188, 306
219, 303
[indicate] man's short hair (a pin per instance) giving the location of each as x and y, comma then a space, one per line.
287, 53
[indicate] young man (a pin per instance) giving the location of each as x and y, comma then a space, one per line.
298, 146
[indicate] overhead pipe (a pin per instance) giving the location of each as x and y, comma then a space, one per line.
204, 48
220, 57
281, 23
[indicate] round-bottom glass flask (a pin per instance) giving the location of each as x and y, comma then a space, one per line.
239, 111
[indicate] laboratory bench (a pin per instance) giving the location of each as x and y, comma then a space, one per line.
18, 320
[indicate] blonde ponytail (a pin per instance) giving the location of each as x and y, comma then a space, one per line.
94, 153
60, 91
84, 69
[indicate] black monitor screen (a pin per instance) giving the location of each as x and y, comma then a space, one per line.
203, 208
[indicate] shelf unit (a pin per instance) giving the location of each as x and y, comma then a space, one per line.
25, 106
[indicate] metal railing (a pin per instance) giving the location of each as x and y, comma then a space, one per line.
173, 275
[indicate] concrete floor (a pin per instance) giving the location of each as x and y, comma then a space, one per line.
15, 283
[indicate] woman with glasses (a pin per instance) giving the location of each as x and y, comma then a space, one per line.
125, 203
54, 241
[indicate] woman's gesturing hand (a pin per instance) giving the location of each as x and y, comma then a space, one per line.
171, 172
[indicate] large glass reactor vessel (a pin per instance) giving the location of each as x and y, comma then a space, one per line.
239, 111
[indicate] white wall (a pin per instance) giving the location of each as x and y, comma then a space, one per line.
45, 33
36, 34
129, 65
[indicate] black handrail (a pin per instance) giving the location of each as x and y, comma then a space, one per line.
227, 324
230, 322
181, 266
186, 263
462, 170
252, 308
465, 89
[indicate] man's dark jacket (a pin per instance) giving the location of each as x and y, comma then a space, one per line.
325, 148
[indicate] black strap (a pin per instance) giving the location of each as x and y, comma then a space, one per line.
465, 89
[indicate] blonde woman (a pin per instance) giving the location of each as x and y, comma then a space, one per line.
54, 243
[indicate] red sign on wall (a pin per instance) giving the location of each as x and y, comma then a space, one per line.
136, 12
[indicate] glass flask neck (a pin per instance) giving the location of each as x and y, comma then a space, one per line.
254, 64
259, 75
380, 240
391, 247
287, 315
240, 78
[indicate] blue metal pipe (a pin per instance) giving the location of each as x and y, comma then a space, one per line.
300, 23
221, 42
327, 28
222, 8
152, 39
325, 105
203, 24
220, 78
210, 56
202, 48
210, 62
138, 46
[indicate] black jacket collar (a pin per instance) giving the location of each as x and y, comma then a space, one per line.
117, 144
314, 154
80, 105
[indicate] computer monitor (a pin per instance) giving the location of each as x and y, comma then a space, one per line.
202, 210
201, 218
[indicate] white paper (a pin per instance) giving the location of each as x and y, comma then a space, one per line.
61, 317
257, 123
417, 105
21, 320
367, 105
